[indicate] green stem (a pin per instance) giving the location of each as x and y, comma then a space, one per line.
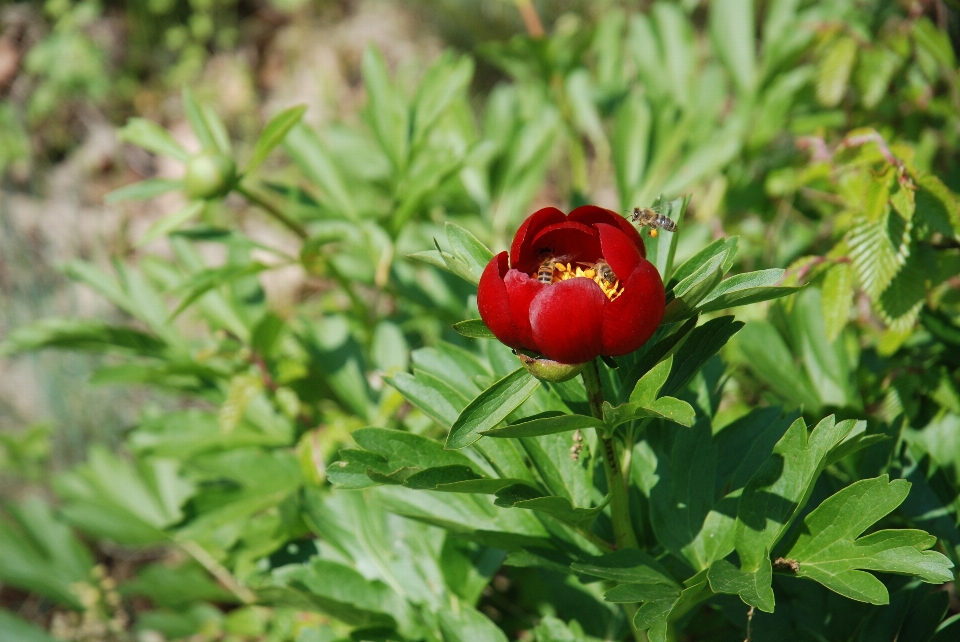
270, 209
619, 503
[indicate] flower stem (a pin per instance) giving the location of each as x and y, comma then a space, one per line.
258, 200
619, 502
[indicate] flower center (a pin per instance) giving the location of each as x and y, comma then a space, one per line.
599, 272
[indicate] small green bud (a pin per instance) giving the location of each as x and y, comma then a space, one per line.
547, 370
210, 175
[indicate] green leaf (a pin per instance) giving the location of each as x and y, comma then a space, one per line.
837, 299
745, 289
725, 246
466, 624
386, 109
632, 593
468, 249
473, 329
445, 82
732, 32
626, 565
39, 554
935, 42
647, 388
543, 425
491, 407
630, 142
654, 617
306, 150
273, 134
768, 356
702, 343
435, 398
75, 334
754, 588
829, 548
833, 74
14, 628
143, 190
778, 491
217, 129
457, 479
525, 496
675, 410
207, 280
694, 288
153, 138
338, 590
197, 121
171, 222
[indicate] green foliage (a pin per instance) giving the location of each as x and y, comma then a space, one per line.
369, 464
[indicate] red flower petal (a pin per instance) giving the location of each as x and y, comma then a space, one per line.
521, 289
494, 304
591, 214
632, 318
618, 250
566, 319
530, 228
570, 241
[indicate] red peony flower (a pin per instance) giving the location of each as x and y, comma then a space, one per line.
573, 287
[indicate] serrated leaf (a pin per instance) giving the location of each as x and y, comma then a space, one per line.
875, 70
545, 425
273, 134
829, 548
779, 490
171, 222
878, 249
143, 190
491, 407
833, 74
153, 138
837, 299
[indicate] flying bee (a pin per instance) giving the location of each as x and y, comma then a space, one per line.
654, 218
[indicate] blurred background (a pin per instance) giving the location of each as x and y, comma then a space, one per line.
72, 73
773, 115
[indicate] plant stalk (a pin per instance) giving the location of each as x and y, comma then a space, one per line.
285, 220
619, 502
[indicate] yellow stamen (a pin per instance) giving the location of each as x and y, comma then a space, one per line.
562, 272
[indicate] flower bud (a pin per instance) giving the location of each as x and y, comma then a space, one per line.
210, 175
548, 370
